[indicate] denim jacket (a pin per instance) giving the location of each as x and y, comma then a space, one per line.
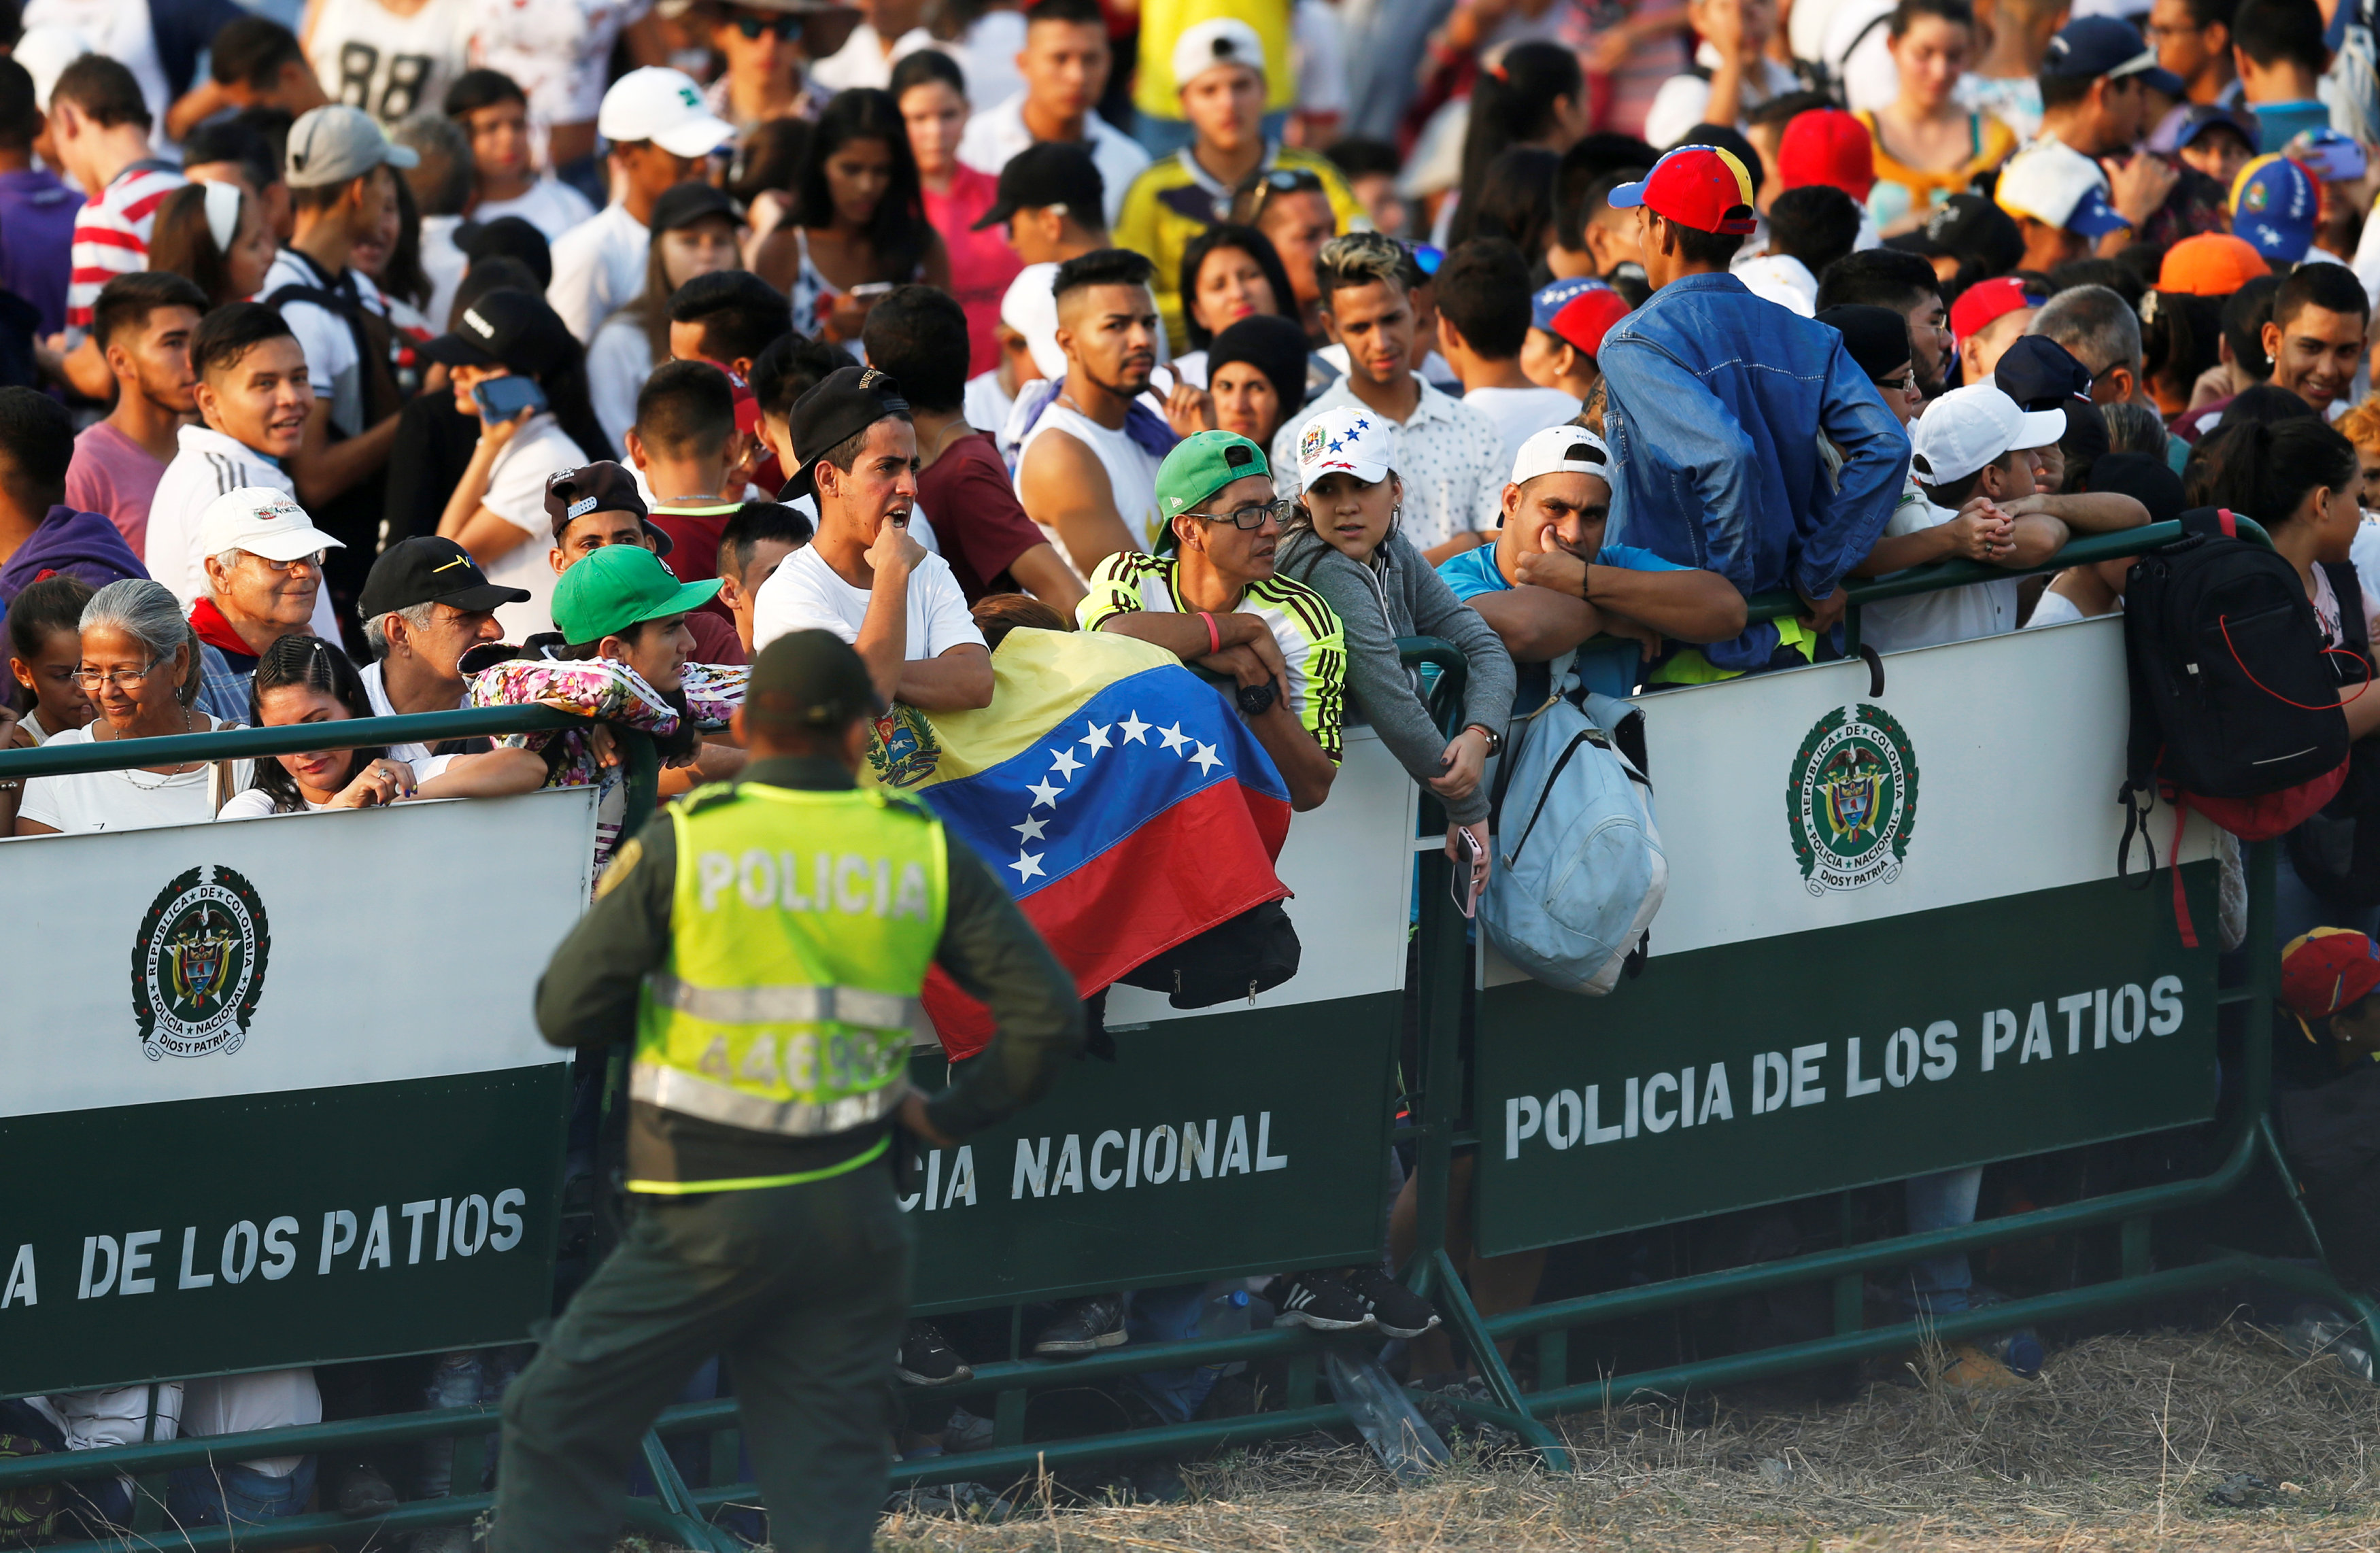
1717, 405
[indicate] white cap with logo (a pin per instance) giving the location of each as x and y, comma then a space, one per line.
1031, 308
1969, 426
1221, 41
664, 107
1562, 450
1350, 440
261, 521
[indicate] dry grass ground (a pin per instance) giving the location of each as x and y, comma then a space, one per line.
2117, 1447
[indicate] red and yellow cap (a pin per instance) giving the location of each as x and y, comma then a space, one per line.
1701, 186
2327, 969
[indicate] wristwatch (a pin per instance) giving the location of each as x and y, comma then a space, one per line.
1495, 740
1256, 700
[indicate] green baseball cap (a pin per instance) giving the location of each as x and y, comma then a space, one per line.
621, 586
1202, 464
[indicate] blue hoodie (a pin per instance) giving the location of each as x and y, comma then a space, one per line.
78, 544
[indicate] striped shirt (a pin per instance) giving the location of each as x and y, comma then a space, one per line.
1305, 627
111, 235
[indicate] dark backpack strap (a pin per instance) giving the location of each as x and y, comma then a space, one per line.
2210, 523
2354, 630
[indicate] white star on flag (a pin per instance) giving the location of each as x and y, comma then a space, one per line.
1098, 738
1043, 794
1205, 759
1134, 730
1175, 739
1032, 829
1066, 764
1028, 865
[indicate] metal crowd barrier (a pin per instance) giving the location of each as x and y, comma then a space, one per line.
1437, 1106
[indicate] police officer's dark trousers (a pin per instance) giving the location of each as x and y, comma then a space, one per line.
804, 1289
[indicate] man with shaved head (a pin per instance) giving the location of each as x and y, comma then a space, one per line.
1086, 471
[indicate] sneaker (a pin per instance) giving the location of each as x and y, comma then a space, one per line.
1394, 1308
1317, 1300
1972, 1369
927, 1360
1083, 1326
966, 1432
364, 1492
957, 1501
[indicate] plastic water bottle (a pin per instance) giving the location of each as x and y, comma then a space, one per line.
1386, 1417
2020, 1351
1225, 1314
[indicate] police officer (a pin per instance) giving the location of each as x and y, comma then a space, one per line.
762, 944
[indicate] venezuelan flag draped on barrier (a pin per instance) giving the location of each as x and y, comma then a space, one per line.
1120, 796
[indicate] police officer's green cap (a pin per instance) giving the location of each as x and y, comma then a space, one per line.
809, 679
618, 586
1201, 464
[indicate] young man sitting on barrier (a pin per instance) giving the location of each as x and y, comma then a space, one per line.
1211, 596
1549, 584
1976, 461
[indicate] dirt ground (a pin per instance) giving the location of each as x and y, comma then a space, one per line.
2131, 1442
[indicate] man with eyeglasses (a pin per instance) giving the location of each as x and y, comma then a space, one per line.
1211, 598
264, 560
2192, 39
1230, 168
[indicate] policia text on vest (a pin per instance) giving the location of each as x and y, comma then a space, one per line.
762, 946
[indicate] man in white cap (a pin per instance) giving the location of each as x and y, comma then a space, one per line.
2059, 200
1066, 62
1548, 582
1028, 353
265, 573
660, 136
1975, 458
1218, 72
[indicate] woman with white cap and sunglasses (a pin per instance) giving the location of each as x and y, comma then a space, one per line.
1342, 542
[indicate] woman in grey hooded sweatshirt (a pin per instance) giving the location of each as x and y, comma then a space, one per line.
1343, 543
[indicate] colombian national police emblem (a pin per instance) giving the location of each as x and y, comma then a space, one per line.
198, 967
1851, 799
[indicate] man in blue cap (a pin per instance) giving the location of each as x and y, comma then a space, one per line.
2095, 80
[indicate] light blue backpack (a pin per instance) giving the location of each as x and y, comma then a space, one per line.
1579, 870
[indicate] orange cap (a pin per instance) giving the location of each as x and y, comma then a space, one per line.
2211, 265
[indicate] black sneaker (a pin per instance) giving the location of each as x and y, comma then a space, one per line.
1083, 1326
927, 1360
1395, 1309
363, 1492
1318, 1300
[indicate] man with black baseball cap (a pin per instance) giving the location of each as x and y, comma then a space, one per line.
424, 604
2096, 80
1968, 239
597, 505
1050, 202
769, 1231
864, 578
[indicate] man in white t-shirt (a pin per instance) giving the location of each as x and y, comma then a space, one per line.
425, 604
493, 111
1975, 458
862, 576
1482, 321
661, 134
1066, 64
254, 394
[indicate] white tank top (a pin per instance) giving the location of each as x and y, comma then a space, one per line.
367, 56
1131, 470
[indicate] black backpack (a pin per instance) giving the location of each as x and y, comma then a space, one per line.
2235, 710
2338, 858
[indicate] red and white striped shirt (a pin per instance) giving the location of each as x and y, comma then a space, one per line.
110, 234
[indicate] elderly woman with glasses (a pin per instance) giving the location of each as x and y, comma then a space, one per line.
141, 667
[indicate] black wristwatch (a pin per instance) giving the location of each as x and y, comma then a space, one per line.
1495, 739
1256, 700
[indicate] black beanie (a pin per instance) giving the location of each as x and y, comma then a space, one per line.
1273, 346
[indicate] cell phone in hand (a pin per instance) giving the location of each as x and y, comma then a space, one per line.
1464, 885
503, 398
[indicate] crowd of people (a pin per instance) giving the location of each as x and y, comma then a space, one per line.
1263, 332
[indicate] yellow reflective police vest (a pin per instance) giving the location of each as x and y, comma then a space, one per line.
801, 925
